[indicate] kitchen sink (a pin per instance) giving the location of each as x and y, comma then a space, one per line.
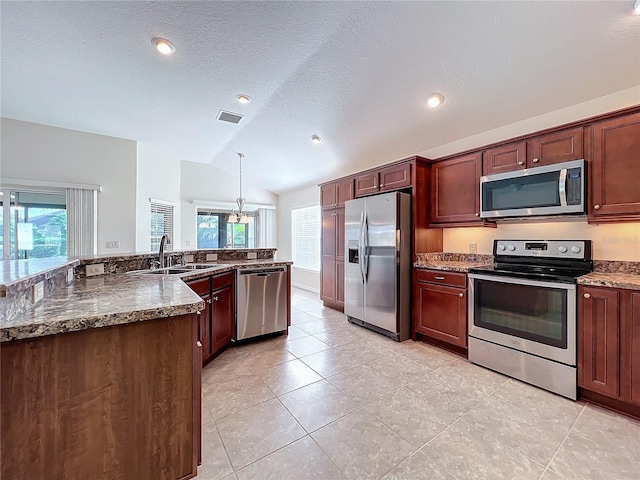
179, 269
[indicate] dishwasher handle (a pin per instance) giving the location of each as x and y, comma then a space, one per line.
261, 272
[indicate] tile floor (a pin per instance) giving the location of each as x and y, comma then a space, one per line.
335, 401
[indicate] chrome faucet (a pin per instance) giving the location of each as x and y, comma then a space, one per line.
165, 238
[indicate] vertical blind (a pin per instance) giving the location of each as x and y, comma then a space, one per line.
267, 227
305, 238
161, 223
82, 236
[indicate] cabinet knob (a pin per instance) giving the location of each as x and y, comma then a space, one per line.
199, 313
587, 295
381, 185
520, 163
596, 207
209, 301
536, 160
461, 294
477, 214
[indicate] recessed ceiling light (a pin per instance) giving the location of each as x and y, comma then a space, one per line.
163, 45
636, 7
316, 139
436, 99
244, 99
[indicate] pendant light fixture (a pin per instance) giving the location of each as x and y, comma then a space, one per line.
239, 216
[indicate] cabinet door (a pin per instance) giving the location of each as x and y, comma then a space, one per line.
599, 340
340, 283
616, 167
442, 313
328, 195
344, 192
339, 234
367, 184
328, 280
395, 177
204, 328
329, 232
555, 147
222, 318
634, 351
505, 158
455, 190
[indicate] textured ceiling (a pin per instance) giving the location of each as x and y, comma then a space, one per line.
355, 73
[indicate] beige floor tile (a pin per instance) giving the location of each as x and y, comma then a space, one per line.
314, 327
601, 445
550, 475
295, 332
427, 355
277, 355
330, 362
301, 460
288, 376
363, 385
536, 432
362, 351
317, 405
469, 454
407, 414
257, 431
215, 462
224, 369
306, 346
452, 397
206, 412
231, 396
335, 336
398, 367
472, 377
299, 317
418, 467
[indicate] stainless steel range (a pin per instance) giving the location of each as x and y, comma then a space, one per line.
522, 311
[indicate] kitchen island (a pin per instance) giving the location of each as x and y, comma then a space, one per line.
100, 380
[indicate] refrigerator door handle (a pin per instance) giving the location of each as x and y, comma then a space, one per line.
361, 246
365, 257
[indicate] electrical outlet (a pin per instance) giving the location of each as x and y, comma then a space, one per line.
252, 255
95, 269
212, 257
188, 258
473, 248
38, 292
70, 275
113, 243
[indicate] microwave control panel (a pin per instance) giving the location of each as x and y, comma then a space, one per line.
575, 186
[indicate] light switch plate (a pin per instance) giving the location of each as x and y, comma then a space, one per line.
38, 292
113, 243
473, 248
252, 255
188, 258
70, 275
212, 257
95, 269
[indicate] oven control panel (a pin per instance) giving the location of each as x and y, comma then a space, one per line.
573, 249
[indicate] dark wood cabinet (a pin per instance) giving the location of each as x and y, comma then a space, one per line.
332, 276
562, 146
440, 306
333, 195
216, 323
455, 191
366, 184
504, 158
599, 340
615, 170
634, 349
394, 177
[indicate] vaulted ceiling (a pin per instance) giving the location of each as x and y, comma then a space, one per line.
355, 73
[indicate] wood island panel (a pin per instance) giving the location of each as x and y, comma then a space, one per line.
118, 402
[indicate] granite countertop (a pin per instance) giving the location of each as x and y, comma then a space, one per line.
449, 265
102, 301
18, 271
614, 280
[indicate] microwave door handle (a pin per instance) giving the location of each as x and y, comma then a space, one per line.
562, 187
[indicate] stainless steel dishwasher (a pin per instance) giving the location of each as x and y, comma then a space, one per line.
261, 301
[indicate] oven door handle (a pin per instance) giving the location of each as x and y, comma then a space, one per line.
521, 281
562, 187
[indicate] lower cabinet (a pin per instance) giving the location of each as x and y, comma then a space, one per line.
216, 323
609, 343
440, 306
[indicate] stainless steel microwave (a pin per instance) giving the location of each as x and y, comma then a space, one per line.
557, 189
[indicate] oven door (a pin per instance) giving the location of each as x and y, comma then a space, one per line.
531, 316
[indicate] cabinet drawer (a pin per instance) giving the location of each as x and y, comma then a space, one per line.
201, 287
443, 278
222, 280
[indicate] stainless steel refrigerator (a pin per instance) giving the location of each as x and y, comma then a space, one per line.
377, 274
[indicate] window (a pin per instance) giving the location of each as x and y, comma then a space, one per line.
33, 224
214, 230
161, 222
305, 238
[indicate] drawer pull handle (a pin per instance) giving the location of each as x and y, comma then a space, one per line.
461, 294
596, 207
439, 278
587, 295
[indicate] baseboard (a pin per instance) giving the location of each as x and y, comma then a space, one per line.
302, 286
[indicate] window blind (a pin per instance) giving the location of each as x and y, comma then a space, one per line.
161, 223
305, 238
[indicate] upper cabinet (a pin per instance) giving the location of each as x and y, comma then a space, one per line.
386, 179
333, 195
615, 170
455, 190
555, 147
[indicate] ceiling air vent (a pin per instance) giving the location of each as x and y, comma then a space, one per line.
229, 117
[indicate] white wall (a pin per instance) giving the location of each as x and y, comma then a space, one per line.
158, 178
199, 181
39, 152
288, 201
